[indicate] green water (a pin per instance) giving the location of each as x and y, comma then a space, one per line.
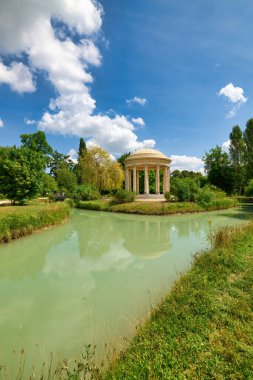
93, 279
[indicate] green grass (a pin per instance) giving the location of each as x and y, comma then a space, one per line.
204, 328
18, 221
157, 208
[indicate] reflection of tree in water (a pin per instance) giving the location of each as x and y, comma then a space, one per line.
26, 257
186, 227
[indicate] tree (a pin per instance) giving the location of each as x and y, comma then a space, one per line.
82, 149
236, 154
98, 169
218, 169
37, 142
248, 139
21, 171
48, 184
121, 159
66, 180
60, 161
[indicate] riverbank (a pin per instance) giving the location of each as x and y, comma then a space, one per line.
157, 208
204, 328
18, 221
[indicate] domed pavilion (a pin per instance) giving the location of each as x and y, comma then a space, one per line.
146, 159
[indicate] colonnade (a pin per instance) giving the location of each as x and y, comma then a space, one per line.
132, 179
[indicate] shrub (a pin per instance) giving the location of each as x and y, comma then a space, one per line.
170, 197
249, 189
85, 193
69, 202
185, 189
124, 196
205, 197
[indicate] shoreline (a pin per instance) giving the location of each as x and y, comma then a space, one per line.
204, 326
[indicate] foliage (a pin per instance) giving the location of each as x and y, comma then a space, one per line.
185, 189
99, 205
66, 180
203, 328
59, 161
69, 202
124, 196
21, 172
170, 197
249, 189
48, 185
248, 139
218, 169
18, 221
236, 153
98, 169
121, 159
82, 149
85, 193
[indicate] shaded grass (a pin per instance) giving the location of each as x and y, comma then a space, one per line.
157, 208
18, 221
204, 328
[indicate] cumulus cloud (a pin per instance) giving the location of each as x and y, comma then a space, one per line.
17, 76
138, 121
235, 95
1, 123
136, 99
225, 146
64, 57
30, 122
73, 155
187, 163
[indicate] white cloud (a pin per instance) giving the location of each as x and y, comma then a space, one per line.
138, 121
225, 146
235, 95
30, 122
73, 155
136, 99
1, 123
65, 61
17, 76
187, 163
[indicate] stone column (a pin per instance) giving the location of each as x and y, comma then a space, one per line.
130, 180
146, 181
134, 179
157, 177
164, 180
137, 181
126, 179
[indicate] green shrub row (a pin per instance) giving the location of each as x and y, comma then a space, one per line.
17, 221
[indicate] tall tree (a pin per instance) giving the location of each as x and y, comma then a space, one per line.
236, 153
82, 149
218, 169
248, 139
98, 169
60, 161
37, 142
121, 159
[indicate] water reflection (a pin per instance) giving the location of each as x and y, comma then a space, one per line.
84, 281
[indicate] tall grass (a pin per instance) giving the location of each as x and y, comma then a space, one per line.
17, 221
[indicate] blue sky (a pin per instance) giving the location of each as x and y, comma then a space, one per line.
184, 67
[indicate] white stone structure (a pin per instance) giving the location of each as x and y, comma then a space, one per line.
147, 159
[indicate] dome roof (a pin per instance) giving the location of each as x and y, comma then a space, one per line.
146, 153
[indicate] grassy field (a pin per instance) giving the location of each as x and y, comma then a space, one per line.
157, 208
17, 221
204, 328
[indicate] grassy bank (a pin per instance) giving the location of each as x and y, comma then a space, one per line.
204, 328
17, 221
157, 208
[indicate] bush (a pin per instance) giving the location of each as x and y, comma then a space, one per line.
85, 193
69, 202
124, 196
205, 197
170, 197
249, 189
184, 189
